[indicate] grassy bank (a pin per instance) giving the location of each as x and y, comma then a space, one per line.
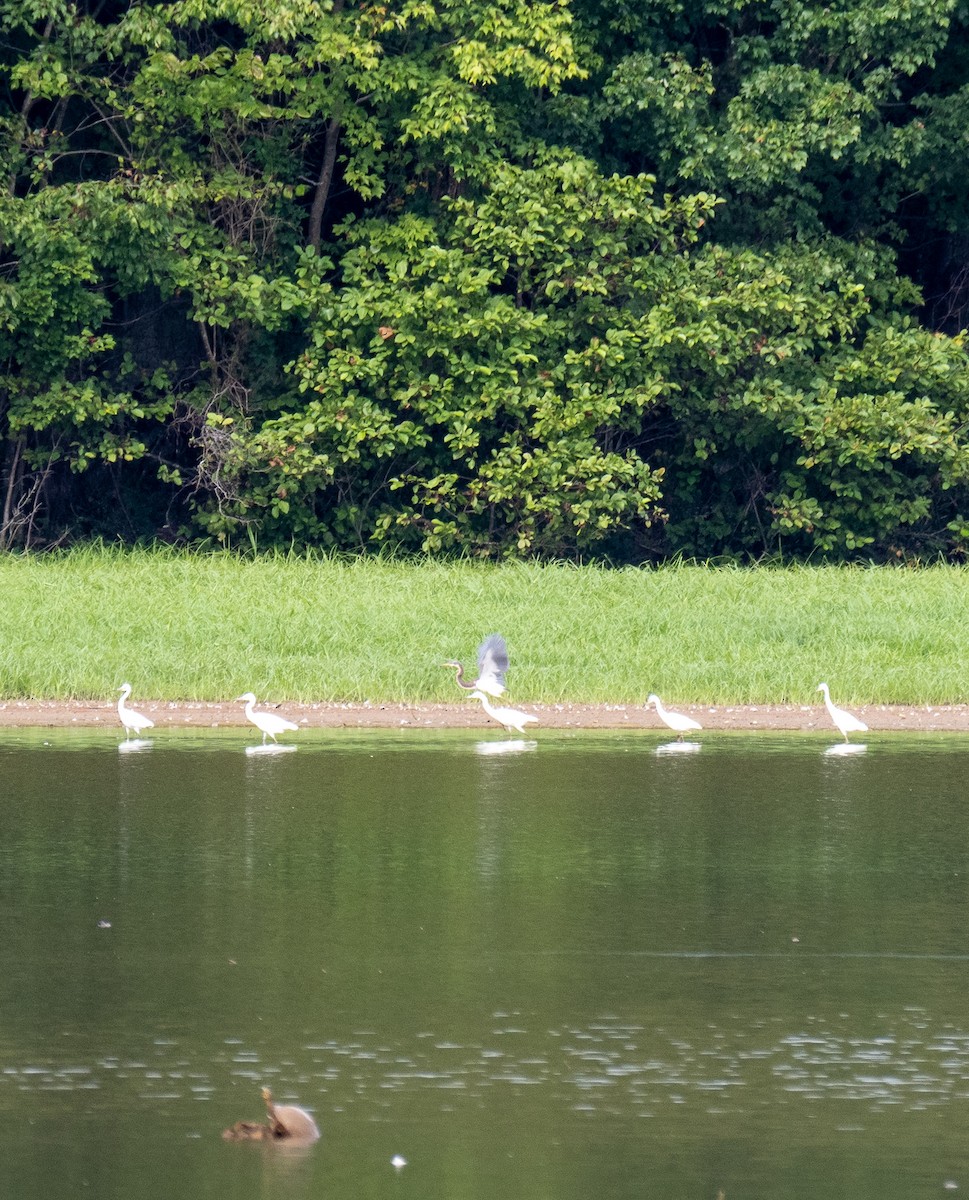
209, 627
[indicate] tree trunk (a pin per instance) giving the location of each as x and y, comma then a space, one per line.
324, 182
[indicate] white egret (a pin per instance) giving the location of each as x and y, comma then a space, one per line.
269, 723
511, 718
679, 723
845, 721
133, 722
492, 665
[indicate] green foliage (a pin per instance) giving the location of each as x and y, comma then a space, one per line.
481, 384
487, 277
805, 423
166, 153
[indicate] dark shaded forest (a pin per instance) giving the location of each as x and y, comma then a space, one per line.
617, 281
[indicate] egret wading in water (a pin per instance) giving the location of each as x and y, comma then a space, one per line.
492, 665
511, 718
133, 722
845, 721
269, 723
679, 723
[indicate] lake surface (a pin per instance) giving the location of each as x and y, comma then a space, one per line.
581, 965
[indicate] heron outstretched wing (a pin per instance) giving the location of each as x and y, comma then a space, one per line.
492, 664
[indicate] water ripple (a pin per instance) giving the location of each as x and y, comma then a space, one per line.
607, 1065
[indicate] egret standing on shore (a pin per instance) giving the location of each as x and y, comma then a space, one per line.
492, 665
511, 718
845, 721
269, 723
679, 723
133, 722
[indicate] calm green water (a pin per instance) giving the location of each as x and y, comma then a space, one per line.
577, 969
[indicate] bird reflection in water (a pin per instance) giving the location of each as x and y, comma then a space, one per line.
271, 748
134, 745
844, 749
517, 746
678, 748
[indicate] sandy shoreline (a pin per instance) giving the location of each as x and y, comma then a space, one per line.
188, 713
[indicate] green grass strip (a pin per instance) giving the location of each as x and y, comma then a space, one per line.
207, 627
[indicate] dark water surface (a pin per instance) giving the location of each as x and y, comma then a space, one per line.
550, 970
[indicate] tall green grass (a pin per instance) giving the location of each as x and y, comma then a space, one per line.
181, 626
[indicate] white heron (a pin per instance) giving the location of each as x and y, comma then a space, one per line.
133, 722
492, 665
847, 722
679, 723
511, 718
269, 723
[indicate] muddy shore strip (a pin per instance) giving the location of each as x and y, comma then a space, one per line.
366, 715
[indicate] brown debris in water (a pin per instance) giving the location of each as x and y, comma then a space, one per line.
286, 1122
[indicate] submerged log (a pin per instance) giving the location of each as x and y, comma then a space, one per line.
286, 1122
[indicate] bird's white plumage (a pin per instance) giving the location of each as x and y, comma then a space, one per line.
678, 722
270, 724
511, 718
133, 722
845, 721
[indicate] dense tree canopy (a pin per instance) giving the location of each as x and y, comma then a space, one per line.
571, 278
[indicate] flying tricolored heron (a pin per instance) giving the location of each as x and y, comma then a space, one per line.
492, 665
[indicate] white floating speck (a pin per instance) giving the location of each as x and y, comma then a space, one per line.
398, 1161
